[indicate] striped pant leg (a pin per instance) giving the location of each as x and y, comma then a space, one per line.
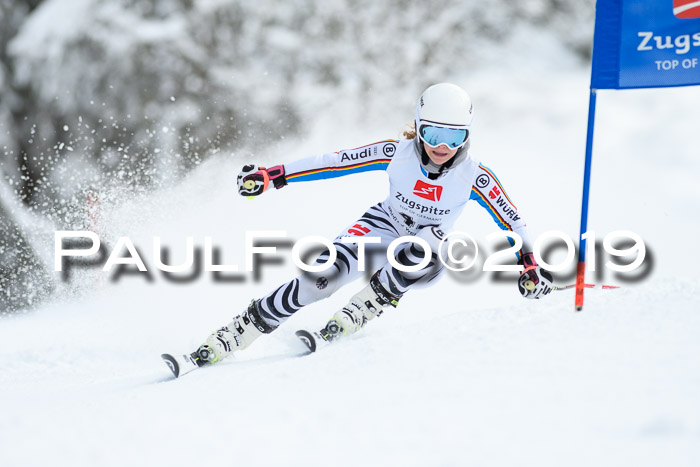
411, 254
308, 288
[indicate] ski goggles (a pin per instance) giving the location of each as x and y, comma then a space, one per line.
434, 136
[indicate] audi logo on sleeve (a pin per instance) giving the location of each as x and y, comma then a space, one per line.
426, 191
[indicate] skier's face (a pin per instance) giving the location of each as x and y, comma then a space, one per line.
440, 154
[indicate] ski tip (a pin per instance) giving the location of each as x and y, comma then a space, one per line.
308, 339
172, 364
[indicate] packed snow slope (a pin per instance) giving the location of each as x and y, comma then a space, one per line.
464, 373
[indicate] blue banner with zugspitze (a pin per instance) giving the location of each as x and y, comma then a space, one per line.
646, 44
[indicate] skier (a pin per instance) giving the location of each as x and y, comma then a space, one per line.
432, 177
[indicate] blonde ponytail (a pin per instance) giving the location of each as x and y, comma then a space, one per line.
410, 131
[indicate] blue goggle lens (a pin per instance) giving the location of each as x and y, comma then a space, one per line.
437, 135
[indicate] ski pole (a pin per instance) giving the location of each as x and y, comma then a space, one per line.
588, 286
529, 285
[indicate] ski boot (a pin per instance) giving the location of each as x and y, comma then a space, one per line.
237, 335
363, 307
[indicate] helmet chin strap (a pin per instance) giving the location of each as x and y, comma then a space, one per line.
436, 170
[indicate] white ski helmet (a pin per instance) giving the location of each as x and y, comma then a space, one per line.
444, 115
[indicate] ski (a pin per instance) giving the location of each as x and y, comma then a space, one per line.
186, 363
180, 364
312, 340
319, 339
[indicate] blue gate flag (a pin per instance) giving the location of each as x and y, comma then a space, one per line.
646, 44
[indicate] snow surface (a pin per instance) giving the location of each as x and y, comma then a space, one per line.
464, 373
